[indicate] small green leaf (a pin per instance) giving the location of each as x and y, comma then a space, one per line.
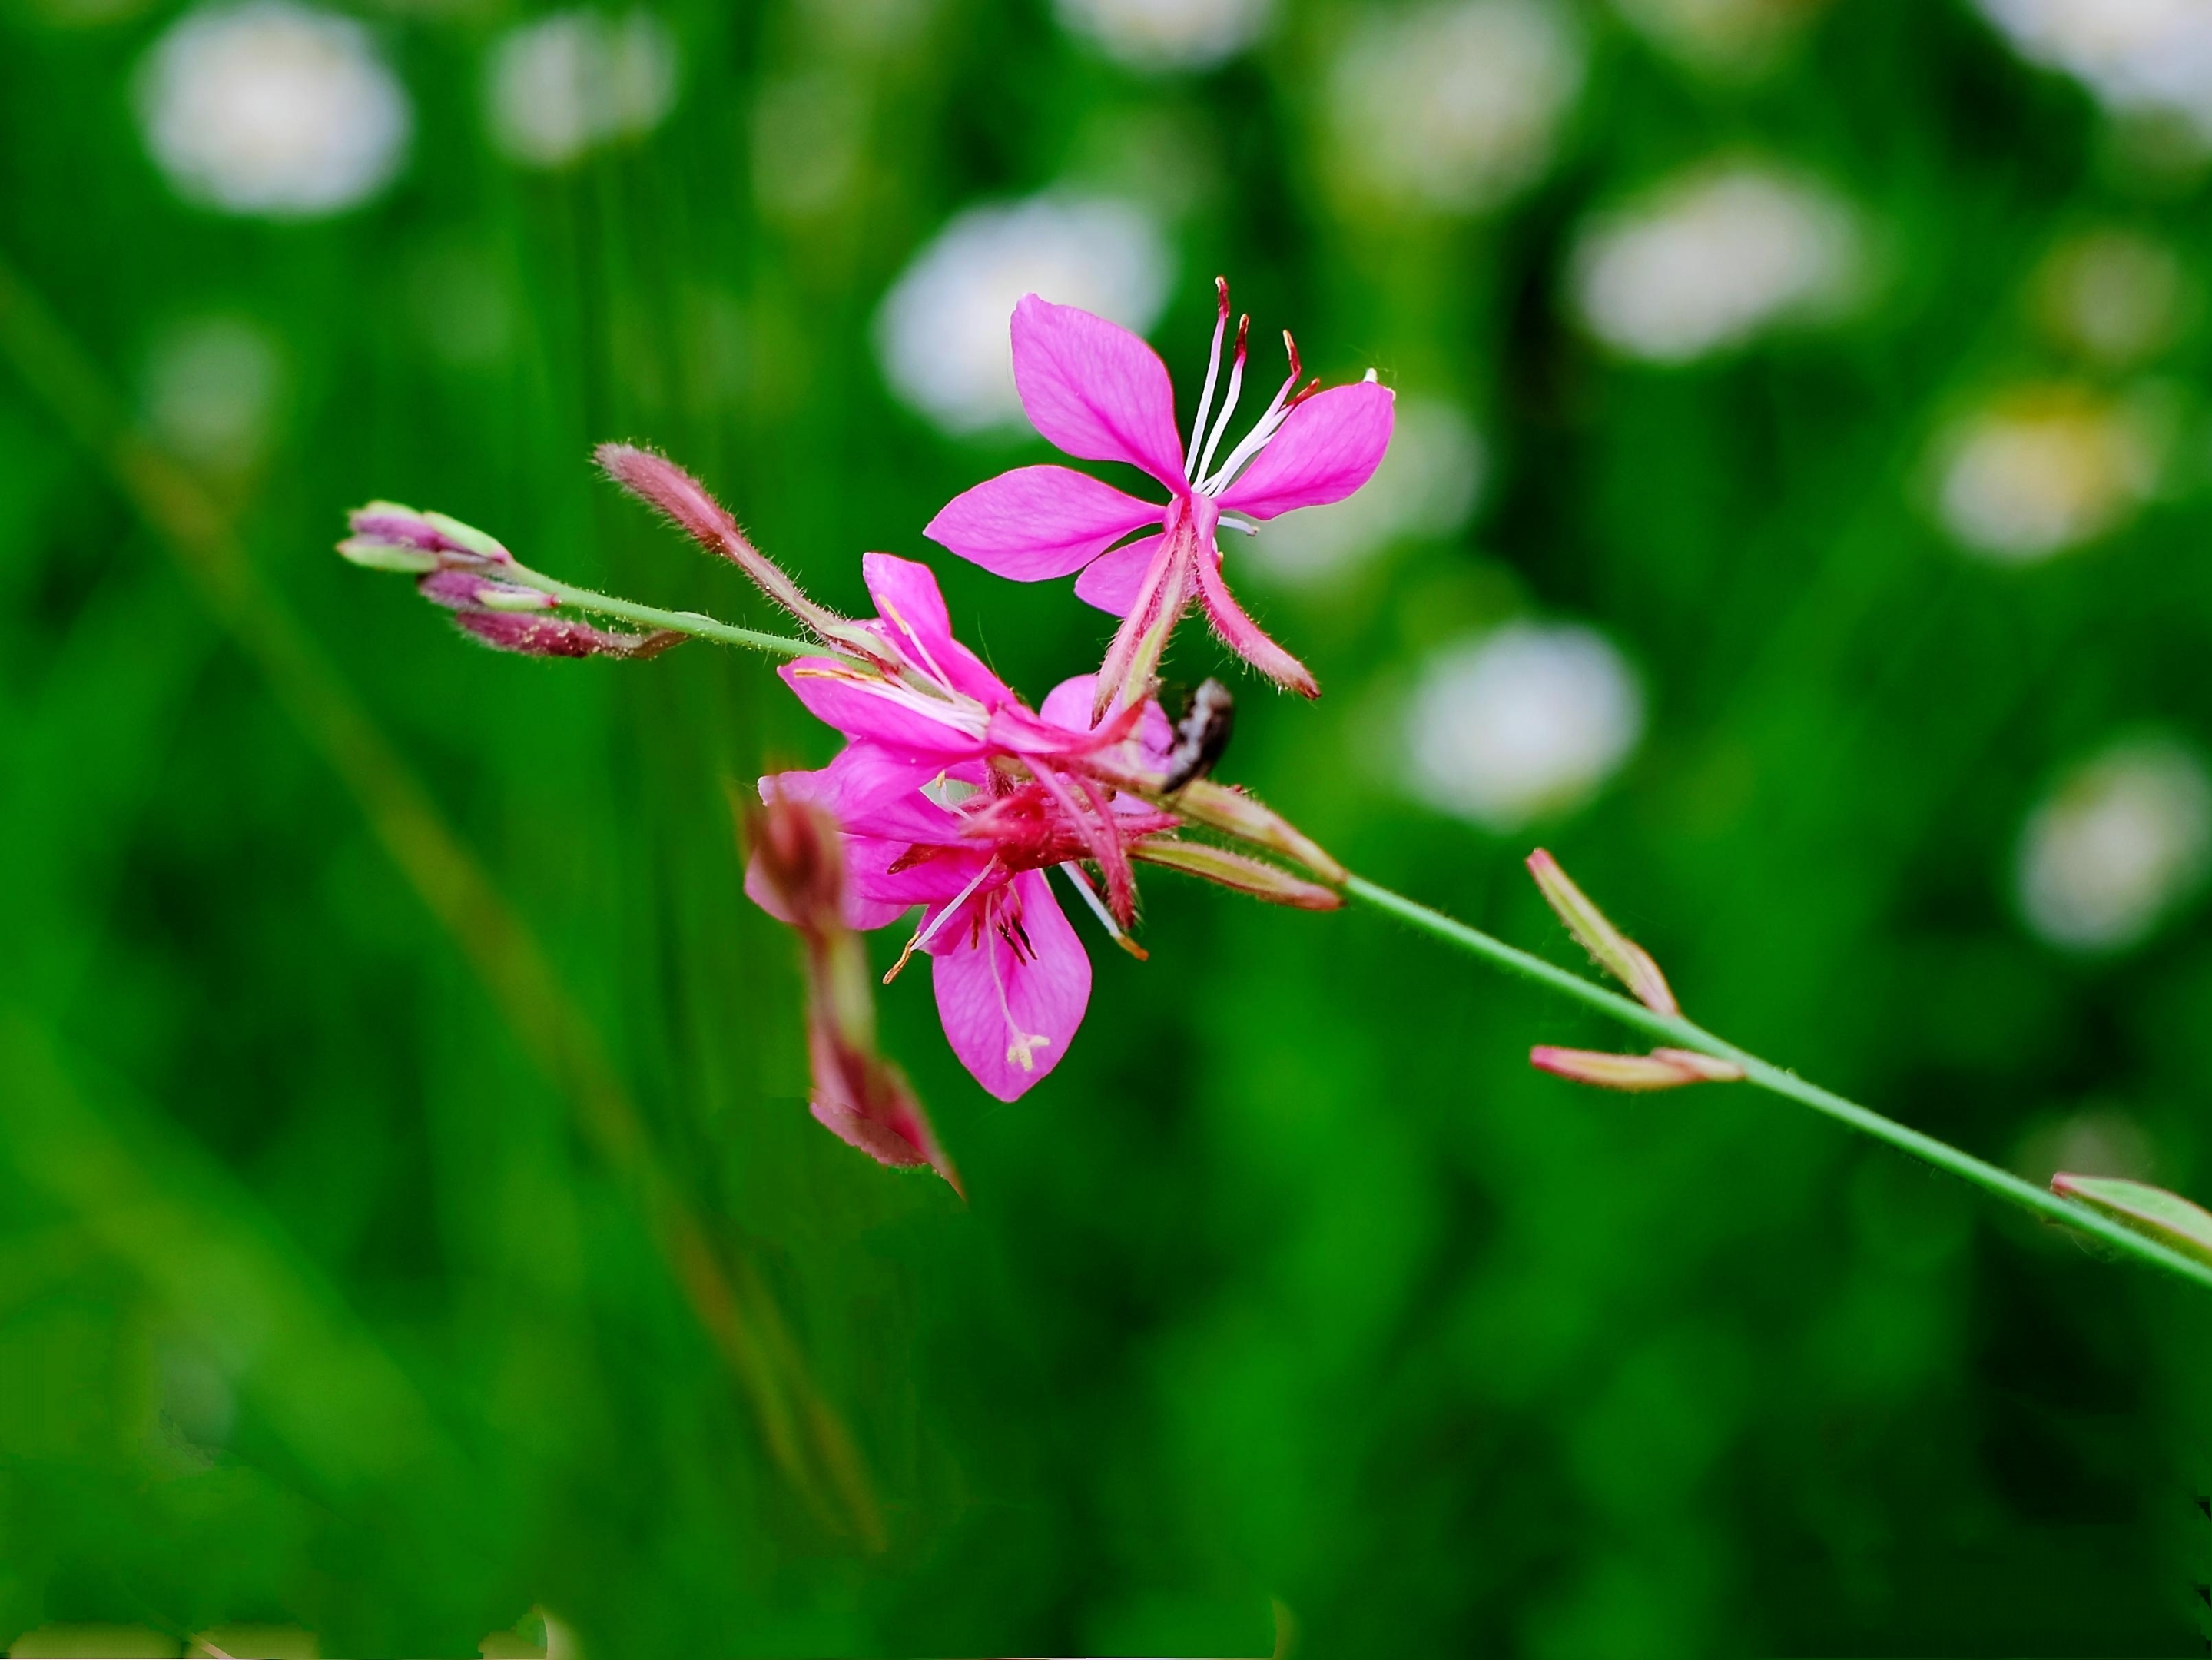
2166, 1217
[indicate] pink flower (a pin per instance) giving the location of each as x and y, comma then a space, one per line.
969, 839
1101, 394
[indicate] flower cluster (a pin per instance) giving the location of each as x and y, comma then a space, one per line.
952, 794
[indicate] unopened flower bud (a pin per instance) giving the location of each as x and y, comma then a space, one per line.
541, 635
467, 590
1238, 871
2169, 1218
1661, 1069
1235, 814
387, 536
691, 508
1612, 951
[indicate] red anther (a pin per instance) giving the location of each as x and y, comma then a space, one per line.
1292, 347
1221, 292
1243, 328
1304, 392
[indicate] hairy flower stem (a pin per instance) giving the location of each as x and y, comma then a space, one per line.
651, 617
1683, 1034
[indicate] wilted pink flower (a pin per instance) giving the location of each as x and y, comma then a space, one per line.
797, 874
1101, 394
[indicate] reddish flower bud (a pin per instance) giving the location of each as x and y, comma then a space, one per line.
1612, 950
797, 874
1661, 1069
467, 590
691, 508
527, 636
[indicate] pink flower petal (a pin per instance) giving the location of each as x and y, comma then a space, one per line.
853, 787
1036, 523
865, 710
912, 609
1096, 390
925, 876
1242, 635
1069, 704
1328, 449
1114, 579
862, 910
998, 1004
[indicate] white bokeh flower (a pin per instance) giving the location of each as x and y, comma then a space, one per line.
2045, 468
1714, 260
942, 331
211, 388
2113, 297
2124, 839
1723, 36
1427, 486
1453, 108
2100, 1139
2136, 56
1167, 34
272, 108
558, 88
1525, 721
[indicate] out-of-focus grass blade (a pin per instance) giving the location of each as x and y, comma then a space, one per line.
341, 1404
803, 1434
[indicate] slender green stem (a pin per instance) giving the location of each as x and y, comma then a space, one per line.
651, 617
1683, 1034
1669, 1029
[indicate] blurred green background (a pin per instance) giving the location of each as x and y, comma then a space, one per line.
409, 1211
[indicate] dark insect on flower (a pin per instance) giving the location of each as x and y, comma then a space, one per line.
1202, 734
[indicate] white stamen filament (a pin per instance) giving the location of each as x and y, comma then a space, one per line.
1021, 1046
1206, 397
921, 650
1238, 521
1081, 883
1270, 422
924, 936
1228, 406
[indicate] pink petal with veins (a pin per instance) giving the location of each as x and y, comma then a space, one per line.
999, 1003
911, 607
863, 709
1096, 390
1036, 523
935, 879
1242, 635
1327, 448
1113, 580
